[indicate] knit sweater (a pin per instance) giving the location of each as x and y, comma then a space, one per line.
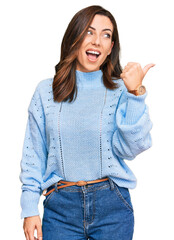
87, 139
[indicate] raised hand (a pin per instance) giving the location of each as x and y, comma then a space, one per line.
133, 74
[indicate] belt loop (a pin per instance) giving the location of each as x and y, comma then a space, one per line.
111, 184
55, 185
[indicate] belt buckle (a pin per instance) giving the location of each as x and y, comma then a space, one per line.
81, 183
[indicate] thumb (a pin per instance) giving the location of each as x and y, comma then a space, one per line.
147, 67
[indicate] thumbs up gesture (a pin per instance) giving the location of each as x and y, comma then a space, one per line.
133, 74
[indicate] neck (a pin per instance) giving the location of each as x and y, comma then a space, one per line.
90, 79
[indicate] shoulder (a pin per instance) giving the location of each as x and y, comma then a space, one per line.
43, 88
43, 91
41, 95
44, 85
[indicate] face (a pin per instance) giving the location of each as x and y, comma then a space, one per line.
96, 46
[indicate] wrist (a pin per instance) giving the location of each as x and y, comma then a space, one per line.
140, 90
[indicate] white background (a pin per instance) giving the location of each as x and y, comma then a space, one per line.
31, 35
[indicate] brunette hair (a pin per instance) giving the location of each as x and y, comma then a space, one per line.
64, 82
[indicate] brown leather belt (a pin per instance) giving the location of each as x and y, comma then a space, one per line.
67, 184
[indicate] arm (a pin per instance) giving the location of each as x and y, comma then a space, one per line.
133, 125
34, 157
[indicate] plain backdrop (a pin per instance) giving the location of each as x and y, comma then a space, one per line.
31, 35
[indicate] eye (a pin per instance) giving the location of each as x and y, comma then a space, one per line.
89, 32
108, 35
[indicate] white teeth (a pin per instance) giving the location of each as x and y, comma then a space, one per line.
93, 52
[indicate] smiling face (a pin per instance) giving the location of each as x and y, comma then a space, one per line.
96, 46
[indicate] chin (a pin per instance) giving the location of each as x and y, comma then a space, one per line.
91, 69
88, 67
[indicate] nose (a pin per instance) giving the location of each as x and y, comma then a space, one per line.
96, 39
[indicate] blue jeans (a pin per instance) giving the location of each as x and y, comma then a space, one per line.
98, 211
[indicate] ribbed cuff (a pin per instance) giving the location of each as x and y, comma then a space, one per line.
135, 108
29, 203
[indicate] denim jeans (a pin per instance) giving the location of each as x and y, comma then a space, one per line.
98, 211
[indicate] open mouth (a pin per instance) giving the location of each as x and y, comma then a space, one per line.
92, 55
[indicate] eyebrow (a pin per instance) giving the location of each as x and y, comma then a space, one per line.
106, 29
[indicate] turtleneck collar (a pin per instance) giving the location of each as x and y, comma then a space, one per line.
90, 79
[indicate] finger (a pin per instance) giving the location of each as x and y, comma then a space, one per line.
130, 63
125, 69
122, 75
31, 235
39, 231
147, 67
129, 66
26, 235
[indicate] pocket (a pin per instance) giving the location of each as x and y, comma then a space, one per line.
48, 198
124, 196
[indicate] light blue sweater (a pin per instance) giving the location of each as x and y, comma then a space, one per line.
84, 140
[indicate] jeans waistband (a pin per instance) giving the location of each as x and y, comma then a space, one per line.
91, 186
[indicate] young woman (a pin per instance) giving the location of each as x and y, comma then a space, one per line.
82, 125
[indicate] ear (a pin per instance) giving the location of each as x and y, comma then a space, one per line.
112, 44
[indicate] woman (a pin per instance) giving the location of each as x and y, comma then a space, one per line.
74, 147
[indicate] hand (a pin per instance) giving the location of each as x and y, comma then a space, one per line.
133, 74
29, 225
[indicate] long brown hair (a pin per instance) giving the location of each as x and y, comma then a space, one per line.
64, 82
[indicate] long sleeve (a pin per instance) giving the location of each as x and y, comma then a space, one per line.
34, 155
132, 133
